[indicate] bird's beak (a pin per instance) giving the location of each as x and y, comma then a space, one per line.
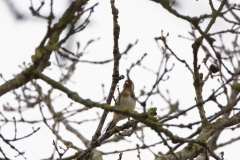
127, 84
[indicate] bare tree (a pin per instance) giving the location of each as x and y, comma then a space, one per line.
220, 63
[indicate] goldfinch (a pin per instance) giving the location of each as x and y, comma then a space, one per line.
125, 98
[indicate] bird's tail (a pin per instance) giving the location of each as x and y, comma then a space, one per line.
111, 125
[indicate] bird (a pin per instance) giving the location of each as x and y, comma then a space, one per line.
125, 98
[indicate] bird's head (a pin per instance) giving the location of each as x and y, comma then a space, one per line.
128, 84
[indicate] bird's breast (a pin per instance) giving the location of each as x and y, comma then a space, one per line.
128, 102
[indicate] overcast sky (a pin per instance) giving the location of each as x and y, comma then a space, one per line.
140, 20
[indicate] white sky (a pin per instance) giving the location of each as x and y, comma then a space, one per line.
138, 19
